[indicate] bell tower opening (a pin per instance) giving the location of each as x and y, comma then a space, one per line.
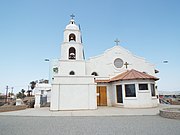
72, 37
72, 53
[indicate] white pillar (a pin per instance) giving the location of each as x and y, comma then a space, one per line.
37, 100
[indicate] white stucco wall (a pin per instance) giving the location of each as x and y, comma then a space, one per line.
143, 98
65, 50
65, 66
77, 33
55, 100
73, 93
106, 62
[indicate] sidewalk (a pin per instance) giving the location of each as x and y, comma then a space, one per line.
101, 111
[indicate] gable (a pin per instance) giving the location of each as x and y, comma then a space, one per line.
105, 65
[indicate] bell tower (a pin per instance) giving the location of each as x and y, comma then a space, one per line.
72, 47
72, 87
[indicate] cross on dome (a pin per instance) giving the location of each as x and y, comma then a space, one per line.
117, 41
72, 16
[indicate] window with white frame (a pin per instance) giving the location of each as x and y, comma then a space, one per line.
130, 90
153, 93
143, 86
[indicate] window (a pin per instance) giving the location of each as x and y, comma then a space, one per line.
94, 73
72, 73
143, 86
153, 93
72, 53
130, 90
72, 37
119, 93
118, 63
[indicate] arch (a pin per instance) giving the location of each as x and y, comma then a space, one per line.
94, 73
71, 73
72, 53
72, 37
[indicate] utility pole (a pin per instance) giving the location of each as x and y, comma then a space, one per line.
12, 90
6, 93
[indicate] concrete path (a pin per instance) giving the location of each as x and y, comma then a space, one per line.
101, 111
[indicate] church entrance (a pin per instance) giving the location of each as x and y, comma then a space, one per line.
102, 96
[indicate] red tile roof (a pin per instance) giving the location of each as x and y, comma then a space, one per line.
133, 75
129, 75
102, 81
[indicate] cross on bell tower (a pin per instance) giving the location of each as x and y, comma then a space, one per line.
117, 41
72, 16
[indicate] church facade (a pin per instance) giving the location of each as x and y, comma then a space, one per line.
114, 78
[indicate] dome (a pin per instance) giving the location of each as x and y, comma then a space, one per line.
72, 25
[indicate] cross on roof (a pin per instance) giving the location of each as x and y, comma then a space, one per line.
117, 41
72, 16
126, 64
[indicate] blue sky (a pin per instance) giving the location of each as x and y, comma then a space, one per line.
32, 30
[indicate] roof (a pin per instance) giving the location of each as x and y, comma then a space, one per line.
102, 81
72, 25
133, 75
130, 75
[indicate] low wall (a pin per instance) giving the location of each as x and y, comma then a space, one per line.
12, 108
172, 113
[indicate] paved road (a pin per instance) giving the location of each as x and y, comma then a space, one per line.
121, 125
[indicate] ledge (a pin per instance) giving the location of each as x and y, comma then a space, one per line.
12, 108
171, 113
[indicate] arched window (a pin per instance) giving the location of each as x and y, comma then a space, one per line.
72, 73
94, 73
72, 53
72, 37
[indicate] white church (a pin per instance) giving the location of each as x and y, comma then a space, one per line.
115, 78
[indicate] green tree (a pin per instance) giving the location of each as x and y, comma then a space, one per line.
32, 85
21, 94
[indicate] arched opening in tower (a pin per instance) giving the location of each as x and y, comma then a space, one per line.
72, 37
72, 53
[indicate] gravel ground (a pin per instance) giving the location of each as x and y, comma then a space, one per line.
121, 125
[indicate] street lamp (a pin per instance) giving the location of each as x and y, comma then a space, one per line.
165, 61
47, 60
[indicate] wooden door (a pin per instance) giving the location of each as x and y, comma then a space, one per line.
102, 96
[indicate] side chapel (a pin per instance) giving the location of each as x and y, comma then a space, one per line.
114, 78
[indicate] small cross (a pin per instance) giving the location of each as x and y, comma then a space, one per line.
72, 16
126, 64
117, 41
